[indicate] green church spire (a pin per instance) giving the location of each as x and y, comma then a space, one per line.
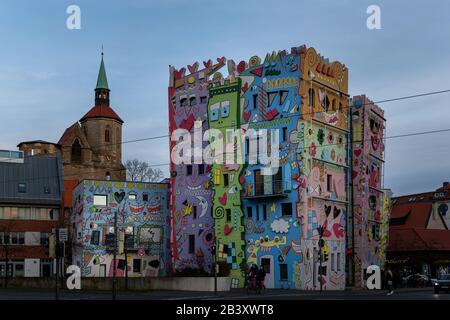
102, 81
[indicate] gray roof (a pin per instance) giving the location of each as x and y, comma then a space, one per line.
36, 141
39, 173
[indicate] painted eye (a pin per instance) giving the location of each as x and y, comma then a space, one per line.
233, 189
225, 109
214, 112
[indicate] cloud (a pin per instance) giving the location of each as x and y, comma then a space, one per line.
280, 226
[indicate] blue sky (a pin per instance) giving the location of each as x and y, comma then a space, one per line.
48, 72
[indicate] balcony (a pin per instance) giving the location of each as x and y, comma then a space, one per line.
268, 189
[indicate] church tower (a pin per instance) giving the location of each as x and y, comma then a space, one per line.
103, 127
92, 147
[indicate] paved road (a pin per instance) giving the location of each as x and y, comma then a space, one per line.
275, 294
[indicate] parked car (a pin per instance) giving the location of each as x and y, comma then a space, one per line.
442, 284
417, 280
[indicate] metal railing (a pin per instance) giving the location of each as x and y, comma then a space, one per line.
269, 188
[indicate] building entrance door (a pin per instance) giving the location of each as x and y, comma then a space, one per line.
267, 263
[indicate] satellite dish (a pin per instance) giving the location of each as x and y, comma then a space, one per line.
442, 209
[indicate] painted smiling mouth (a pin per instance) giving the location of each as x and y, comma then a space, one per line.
194, 188
331, 118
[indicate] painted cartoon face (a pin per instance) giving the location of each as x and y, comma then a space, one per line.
219, 110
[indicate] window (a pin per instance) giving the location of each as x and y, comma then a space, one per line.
338, 261
100, 200
271, 96
13, 239
132, 196
332, 262
194, 212
265, 263
145, 197
283, 96
217, 176
95, 238
191, 244
249, 212
22, 187
44, 238
6, 213
201, 169
334, 105
311, 97
329, 182
76, 151
21, 237
203, 99
284, 134
255, 101
137, 265
14, 213
47, 190
183, 101
225, 180
228, 215
286, 209
189, 170
264, 212
283, 272
192, 101
257, 212
326, 103
107, 137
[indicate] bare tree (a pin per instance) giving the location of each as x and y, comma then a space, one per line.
140, 171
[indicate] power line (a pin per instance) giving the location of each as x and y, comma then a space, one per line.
285, 116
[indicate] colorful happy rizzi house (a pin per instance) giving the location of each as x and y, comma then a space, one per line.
274, 218
143, 225
370, 212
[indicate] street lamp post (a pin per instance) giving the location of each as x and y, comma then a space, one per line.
320, 230
114, 257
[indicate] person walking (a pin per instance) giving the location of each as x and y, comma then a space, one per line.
261, 277
389, 282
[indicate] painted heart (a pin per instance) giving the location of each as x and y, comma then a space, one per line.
241, 66
208, 63
327, 210
258, 71
227, 230
247, 115
193, 68
336, 212
241, 179
179, 73
118, 196
354, 174
223, 199
245, 87
326, 232
338, 230
221, 60
358, 152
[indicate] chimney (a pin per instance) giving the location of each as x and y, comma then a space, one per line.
445, 184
